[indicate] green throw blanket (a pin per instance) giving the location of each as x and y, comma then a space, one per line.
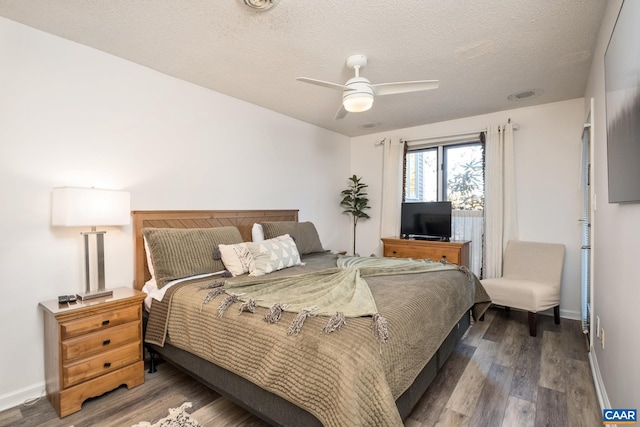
341, 289
338, 292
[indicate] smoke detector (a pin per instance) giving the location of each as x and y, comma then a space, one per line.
260, 4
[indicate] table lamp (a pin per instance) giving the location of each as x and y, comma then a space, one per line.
90, 207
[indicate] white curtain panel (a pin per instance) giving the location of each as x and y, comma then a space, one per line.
500, 203
510, 226
469, 225
391, 188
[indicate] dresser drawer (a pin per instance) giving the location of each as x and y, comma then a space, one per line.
97, 342
435, 254
99, 322
108, 361
455, 251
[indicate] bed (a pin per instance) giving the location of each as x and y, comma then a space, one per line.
354, 375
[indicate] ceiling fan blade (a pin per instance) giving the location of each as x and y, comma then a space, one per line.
322, 83
404, 87
341, 113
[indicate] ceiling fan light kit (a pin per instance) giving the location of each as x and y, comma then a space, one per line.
359, 97
357, 102
358, 92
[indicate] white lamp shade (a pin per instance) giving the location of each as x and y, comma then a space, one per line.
82, 207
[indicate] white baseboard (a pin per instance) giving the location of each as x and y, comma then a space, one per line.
18, 397
601, 392
565, 314
570, 314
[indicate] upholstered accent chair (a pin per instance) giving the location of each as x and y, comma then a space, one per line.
531, 279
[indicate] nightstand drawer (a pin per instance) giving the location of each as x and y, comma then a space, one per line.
97, 342
99, 321
109, 361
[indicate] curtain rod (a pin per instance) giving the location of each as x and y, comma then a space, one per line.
453, 135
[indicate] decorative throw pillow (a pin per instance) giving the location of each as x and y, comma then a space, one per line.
183, 252
148, 256
273, 254
304, 234
237, 259
257, 234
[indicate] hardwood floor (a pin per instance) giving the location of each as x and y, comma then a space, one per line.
497, 376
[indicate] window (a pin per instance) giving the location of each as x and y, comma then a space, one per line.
451, 172
446, 173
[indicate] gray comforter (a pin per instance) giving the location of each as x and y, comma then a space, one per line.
345, 378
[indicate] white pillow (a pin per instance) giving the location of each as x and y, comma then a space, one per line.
237, 259
273, 254
257, 234
149, 263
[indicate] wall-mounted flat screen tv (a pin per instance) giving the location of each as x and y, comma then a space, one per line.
426, 220
622, 86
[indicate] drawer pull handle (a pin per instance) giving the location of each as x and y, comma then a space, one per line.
106, 342
107, 364
105, 322
444, 257
394, 252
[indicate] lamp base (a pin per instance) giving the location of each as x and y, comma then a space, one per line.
96, 294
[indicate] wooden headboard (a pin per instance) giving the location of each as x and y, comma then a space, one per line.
244, 220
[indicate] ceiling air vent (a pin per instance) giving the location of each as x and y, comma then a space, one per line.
260, 4
525, 94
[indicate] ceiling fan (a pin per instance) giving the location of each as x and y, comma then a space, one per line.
358, 92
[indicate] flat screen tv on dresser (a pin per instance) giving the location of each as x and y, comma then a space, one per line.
426, 220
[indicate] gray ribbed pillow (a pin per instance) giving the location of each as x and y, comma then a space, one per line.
184, 252
304, 234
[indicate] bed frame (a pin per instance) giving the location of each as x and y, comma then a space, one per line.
267, 406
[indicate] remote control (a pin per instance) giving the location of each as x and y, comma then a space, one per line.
63, 299
72, 298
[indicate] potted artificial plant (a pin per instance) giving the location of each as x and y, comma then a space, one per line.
355, 201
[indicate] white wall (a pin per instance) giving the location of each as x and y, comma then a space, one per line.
547, 164
616, 229
71, 115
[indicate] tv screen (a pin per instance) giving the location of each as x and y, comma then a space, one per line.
622, 94
426, 220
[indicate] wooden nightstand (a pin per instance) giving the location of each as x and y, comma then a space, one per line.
91, 347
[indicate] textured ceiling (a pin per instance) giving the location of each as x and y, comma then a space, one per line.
481, 50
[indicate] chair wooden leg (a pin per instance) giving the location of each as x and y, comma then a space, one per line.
556, 314
532, 324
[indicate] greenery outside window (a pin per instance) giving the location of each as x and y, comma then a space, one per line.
452, 172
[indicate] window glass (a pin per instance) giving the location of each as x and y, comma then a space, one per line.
463, 173
422, 176
447, 172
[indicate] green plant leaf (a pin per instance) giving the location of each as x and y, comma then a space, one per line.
354, 202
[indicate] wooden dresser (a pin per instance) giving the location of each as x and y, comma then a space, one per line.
455, 252
92, 347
